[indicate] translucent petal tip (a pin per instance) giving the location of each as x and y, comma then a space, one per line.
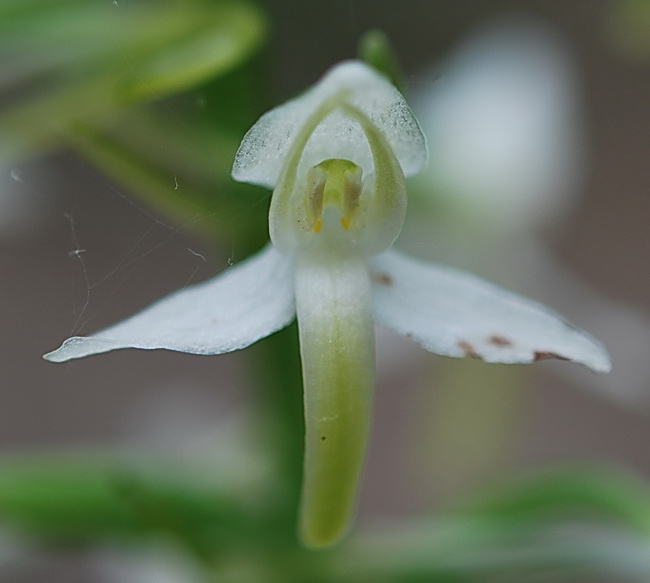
78, 347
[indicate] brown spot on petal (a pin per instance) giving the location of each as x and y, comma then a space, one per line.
497, 340
468, 349
383, 278
539, 356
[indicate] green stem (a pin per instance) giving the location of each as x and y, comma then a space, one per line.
279, 395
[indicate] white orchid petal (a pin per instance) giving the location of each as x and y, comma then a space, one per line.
333, 302
453, 313
226, 313
264, 149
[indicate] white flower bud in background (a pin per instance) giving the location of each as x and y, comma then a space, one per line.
502, 121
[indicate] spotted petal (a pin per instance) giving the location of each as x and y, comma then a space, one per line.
453, 313
226, 313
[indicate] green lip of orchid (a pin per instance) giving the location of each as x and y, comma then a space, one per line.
337, 157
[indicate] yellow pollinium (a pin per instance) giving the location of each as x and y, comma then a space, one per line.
334, 183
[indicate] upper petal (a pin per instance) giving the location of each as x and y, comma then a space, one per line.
453, 313
230, 311
264, 148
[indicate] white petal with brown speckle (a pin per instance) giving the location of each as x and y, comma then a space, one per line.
454, 313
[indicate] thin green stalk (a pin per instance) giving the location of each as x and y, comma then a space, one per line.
278, 395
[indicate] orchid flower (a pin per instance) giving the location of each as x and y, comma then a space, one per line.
337, 157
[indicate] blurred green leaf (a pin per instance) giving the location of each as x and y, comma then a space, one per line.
71, 499
376, 50
100, 498
629, 27
74, 61
566, 493
77, 69
90, 498
164, 188
36, 125
209, 47
551, 525
181, 173
473, 550
68, 38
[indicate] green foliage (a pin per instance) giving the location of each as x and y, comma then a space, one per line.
86, 498
629, 27
566, 521
212, 39
376, 50
565, 493
84, 74
87, 62
187, 181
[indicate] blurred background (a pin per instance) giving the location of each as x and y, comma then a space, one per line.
79, 250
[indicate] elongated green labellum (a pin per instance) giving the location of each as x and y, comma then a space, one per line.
338, 355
